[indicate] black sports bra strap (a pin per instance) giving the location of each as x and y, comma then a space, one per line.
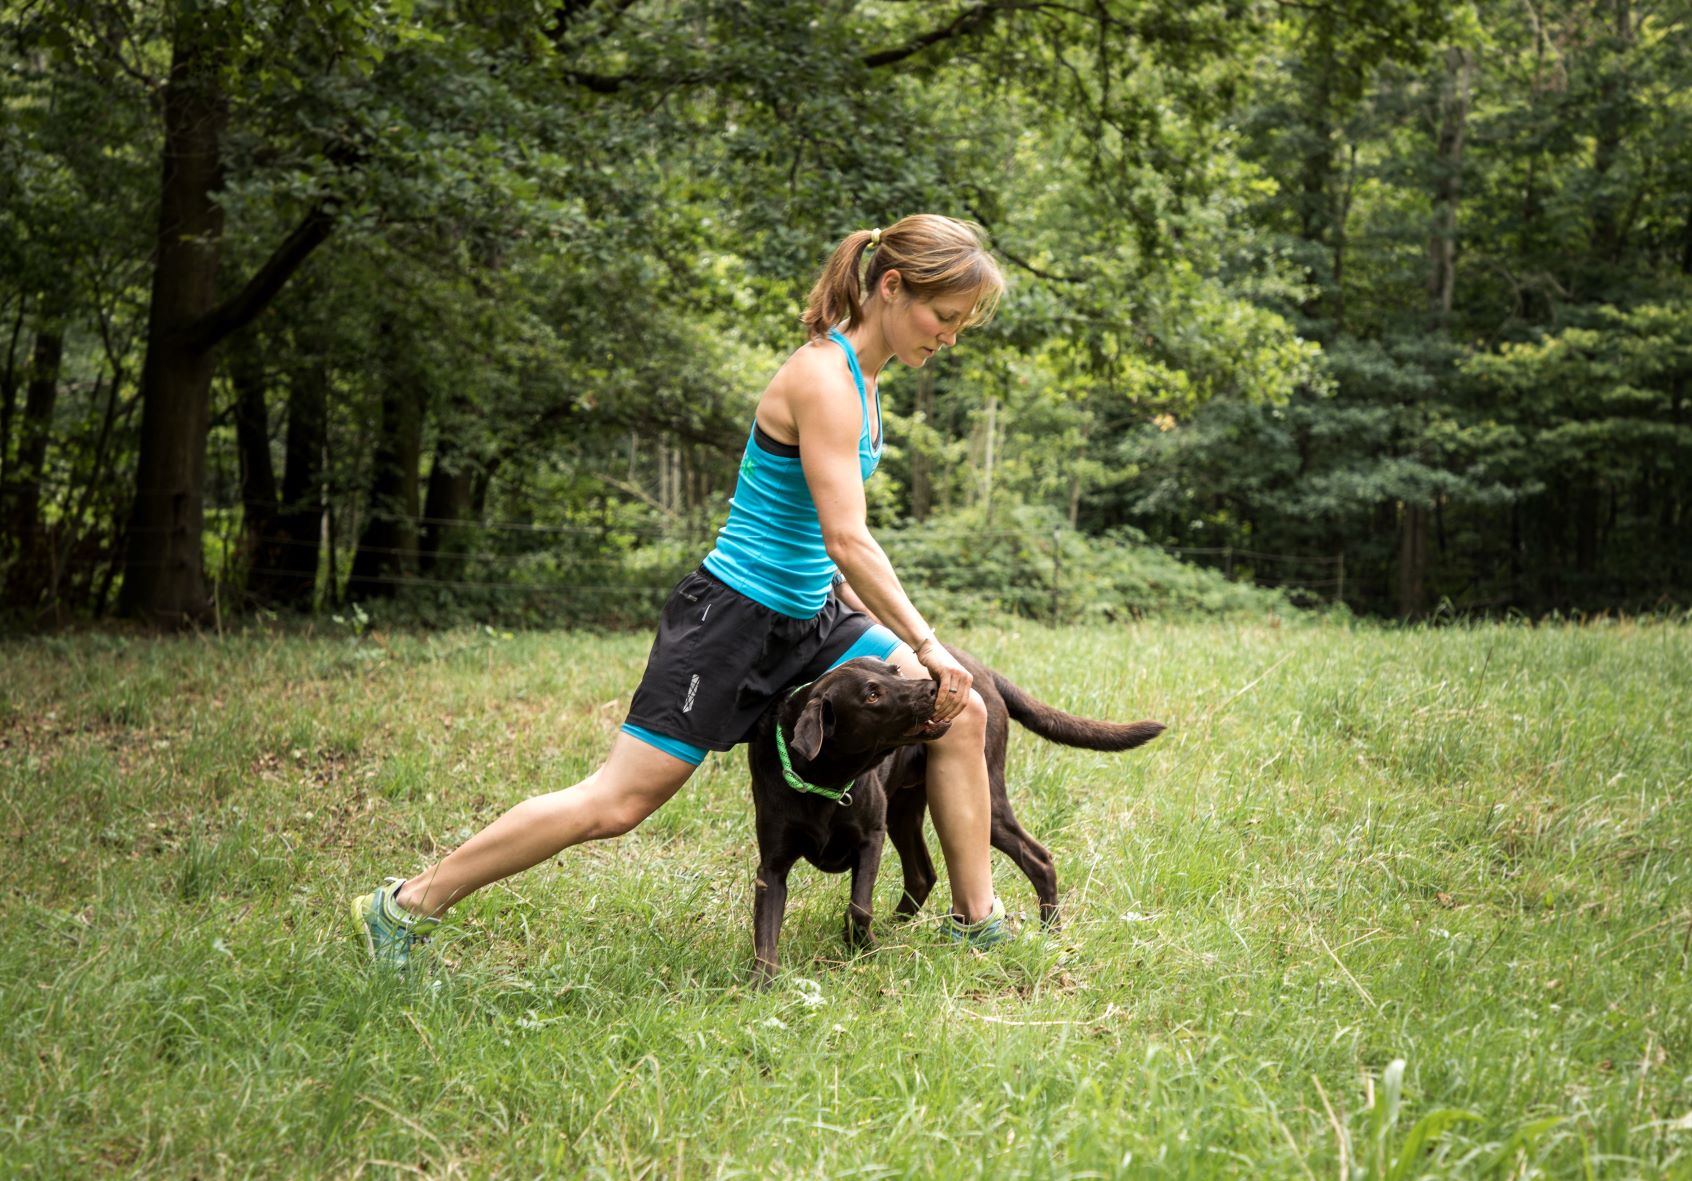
773, 446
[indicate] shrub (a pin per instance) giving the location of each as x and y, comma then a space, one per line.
1028, 563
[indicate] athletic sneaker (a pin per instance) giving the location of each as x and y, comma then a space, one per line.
390, 931
983, 932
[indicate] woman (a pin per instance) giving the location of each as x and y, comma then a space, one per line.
794, 586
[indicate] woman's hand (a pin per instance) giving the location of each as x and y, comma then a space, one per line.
953, 678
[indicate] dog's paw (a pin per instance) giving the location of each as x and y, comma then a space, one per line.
858, 933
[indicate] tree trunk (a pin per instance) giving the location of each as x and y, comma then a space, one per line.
1441, 288
479, 492
1666, 521
1412, 560
1686, 241
258, 473
1342, 218
1531, 205
447, 505
75, 539
299, 521
387, 550
1448, 184
1516, 552
447, 508
1586, 527
1316, 168
163, 579
30, 569
9, 384
1607, 138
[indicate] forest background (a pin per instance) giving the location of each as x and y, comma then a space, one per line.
464, 306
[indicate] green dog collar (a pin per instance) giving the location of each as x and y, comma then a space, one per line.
842, 797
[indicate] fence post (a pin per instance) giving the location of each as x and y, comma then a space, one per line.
1228, 562
1057, 571
1339, 595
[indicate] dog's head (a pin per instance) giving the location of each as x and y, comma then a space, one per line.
862, 706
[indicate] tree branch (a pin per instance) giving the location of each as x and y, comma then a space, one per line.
970, 20
242, 308
1036, 271
564, 16
600, 83
999, 247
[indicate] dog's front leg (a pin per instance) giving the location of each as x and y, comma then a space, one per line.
904, 825
864, 869
769, 904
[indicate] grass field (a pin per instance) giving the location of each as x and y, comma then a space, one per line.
1381, 903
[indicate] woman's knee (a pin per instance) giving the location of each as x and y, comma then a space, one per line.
619, 819
622, 796
612, 813
969, 727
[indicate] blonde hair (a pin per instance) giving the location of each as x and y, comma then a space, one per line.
934, 255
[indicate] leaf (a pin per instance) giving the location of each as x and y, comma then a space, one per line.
1426, 1130
1523, 1137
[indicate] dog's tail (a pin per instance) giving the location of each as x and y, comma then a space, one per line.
1057, 726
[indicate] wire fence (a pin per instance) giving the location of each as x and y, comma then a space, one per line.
616, 572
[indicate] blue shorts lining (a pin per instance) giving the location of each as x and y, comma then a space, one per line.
685, 751
876, 641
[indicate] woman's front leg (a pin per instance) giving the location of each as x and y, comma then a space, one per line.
959, 798
634, 781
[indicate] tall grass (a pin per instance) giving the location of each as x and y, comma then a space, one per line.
1393, 903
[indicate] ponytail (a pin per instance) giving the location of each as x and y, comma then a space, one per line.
837, 295
934, 256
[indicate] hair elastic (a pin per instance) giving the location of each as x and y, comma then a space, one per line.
875, 238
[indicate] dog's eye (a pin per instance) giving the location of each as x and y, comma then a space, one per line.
872, 694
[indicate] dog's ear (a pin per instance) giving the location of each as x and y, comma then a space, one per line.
816, 722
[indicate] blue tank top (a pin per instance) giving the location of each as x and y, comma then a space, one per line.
771, 548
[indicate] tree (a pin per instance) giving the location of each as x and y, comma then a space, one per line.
163, 575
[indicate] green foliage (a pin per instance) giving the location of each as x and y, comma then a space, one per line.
580, 236
1538, 479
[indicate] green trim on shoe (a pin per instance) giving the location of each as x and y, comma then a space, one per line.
983, 932
390, 932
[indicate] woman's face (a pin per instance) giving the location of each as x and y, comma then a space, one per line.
918, 327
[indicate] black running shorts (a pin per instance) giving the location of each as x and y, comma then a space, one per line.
720, 659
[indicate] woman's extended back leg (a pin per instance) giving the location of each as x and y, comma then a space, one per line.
634, 781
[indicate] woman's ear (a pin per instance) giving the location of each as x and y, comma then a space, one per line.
891, 285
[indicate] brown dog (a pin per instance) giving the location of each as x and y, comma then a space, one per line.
860, 727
